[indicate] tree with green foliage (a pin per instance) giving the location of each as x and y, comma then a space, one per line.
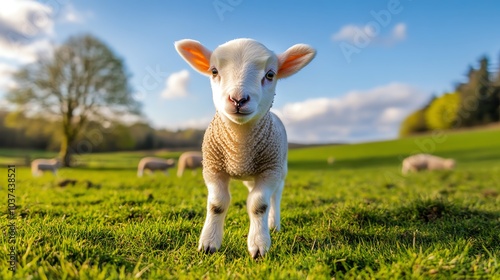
479, 97
37, 132
81, 81
443, 111
414, 123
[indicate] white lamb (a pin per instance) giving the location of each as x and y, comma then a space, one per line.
420, 162
244, 141
189, 160
152, 164
38, 166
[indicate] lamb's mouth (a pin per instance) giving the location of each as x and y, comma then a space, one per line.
241, 113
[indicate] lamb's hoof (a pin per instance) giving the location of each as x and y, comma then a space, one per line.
207, 249
257, 253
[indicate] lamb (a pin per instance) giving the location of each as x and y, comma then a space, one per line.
152, 164
420, 162
189, 160
244, 141
38, 166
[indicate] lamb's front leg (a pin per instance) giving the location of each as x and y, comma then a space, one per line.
217, 205
258, 205
274, 211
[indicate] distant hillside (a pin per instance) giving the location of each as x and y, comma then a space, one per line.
298, 145
467, 146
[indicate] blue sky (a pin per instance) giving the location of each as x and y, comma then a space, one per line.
377, 60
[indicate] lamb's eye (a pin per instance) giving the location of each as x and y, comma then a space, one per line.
215, 72
270, 75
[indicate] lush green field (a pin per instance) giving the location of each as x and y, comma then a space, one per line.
355, 218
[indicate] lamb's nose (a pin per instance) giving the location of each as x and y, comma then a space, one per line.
239, 103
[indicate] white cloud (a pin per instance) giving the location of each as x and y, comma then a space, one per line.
201, 123
195, 122
361, 36
23, 53
348, 33
399, 32
71, 15
4, 105
356, 116
6, 81
176, 85
25, 27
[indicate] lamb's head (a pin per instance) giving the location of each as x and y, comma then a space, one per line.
170, 162
450, 163
243, 74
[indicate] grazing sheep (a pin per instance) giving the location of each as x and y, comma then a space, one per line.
420, 162
244, 141
38, 166
330, 160
152, 164
189, 160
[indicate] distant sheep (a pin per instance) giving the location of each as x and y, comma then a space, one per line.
38, 166
330, 160
420, 162
189, 160
244, 141
152, 164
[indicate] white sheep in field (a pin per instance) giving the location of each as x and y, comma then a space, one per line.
244, 141
189, 160
152, 164
330, 160
38, 166
420, 162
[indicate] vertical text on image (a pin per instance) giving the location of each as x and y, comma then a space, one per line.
11, 204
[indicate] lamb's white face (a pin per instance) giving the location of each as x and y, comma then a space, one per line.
243, 79
243, 74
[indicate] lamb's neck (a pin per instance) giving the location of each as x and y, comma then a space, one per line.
241, 150
241, 133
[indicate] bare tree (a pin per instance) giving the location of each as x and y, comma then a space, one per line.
81, 80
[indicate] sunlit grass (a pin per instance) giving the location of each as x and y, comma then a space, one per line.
355, 218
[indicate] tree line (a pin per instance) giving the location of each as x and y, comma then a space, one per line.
475, 102
40, 133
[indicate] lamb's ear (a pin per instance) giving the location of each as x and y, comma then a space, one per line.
195, 54
294, 59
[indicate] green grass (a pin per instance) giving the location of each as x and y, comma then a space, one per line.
356, 218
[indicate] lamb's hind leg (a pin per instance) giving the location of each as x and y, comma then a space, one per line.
217, 205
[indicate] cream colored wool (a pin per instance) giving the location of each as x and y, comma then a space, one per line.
152, 164
189, 160
262, 151
420, 162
